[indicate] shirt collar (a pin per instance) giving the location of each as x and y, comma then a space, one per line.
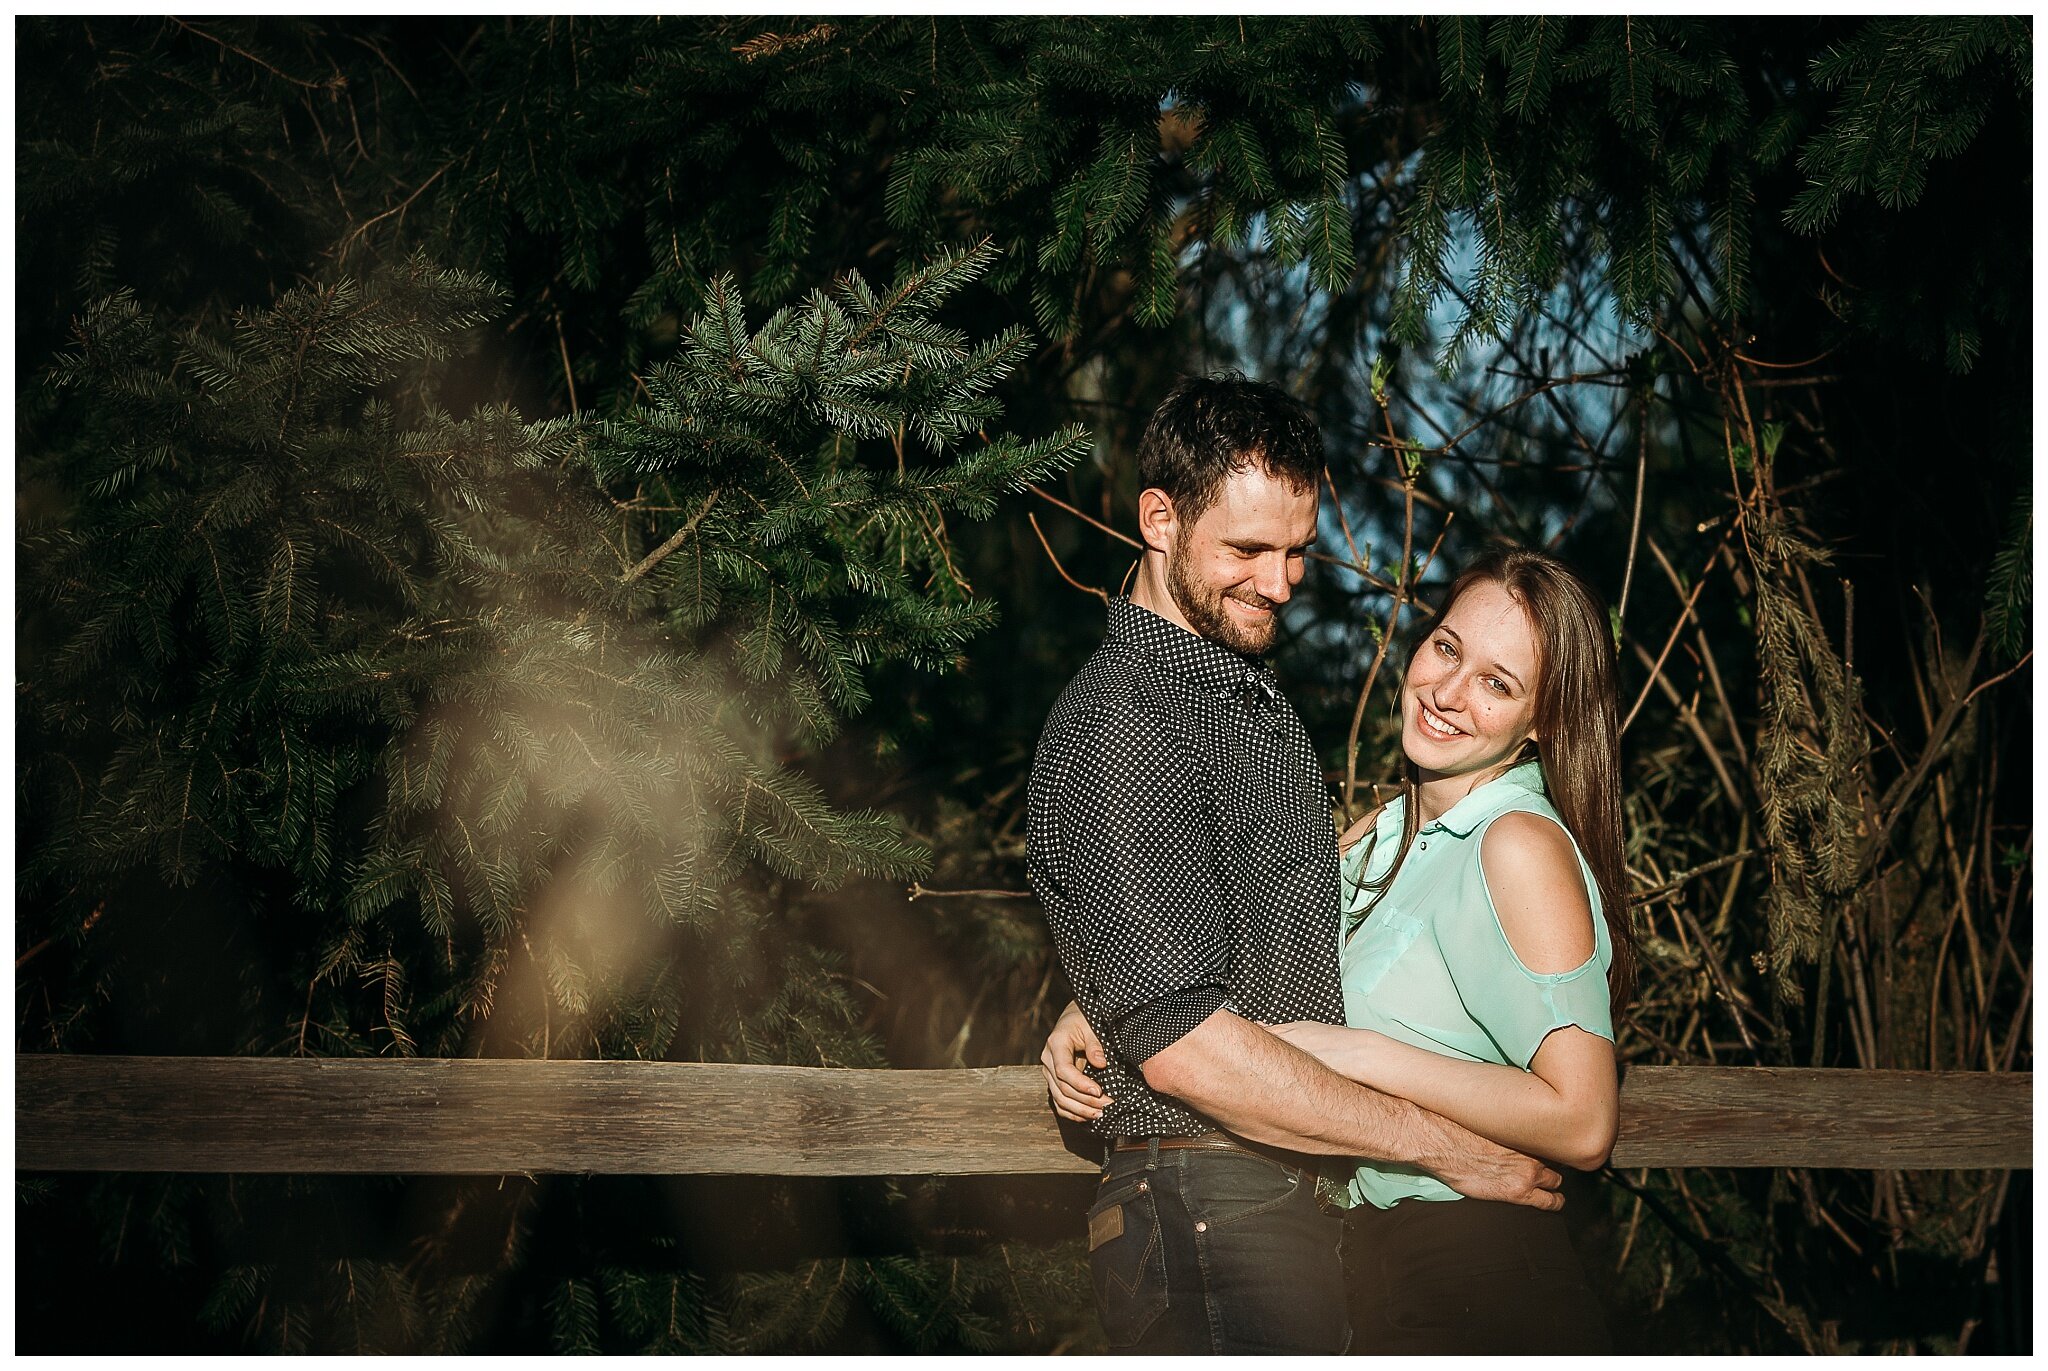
1483, 802
1205, 663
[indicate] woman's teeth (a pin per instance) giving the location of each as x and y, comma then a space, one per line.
1437, 725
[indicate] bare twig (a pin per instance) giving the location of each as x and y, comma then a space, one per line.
1089, 519
1657, 667
674, 541
1635, 522
334, 82
1707, 657
1053, 557
398, 208
568, 372
1672, 885
1691, 719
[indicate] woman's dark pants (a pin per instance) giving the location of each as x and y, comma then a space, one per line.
1206, 1250
1473, 1276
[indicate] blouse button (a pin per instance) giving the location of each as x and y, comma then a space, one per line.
1424, 845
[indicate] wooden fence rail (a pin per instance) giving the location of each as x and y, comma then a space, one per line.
498, 1117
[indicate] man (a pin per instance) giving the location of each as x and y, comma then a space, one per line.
1181, 844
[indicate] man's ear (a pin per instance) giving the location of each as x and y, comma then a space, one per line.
1158, 525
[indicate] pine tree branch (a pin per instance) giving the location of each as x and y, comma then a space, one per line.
675, 540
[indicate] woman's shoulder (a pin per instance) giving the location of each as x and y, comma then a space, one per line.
1528, 834
1537, 883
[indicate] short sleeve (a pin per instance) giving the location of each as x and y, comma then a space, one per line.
1516, 1007
1149, 913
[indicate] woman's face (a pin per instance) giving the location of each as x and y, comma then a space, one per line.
1469, 699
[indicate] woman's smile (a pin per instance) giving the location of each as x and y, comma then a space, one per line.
1436, 724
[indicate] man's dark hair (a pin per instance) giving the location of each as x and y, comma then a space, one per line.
1210, 426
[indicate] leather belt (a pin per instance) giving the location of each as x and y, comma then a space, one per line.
1216, 1140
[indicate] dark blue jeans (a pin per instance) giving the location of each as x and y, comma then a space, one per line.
1199, 1250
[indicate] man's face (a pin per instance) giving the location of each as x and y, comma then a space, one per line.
1231, 570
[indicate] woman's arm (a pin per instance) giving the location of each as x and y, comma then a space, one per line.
1567, 1105
1564, 1108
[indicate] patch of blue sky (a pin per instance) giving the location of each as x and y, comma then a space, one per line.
1268, 319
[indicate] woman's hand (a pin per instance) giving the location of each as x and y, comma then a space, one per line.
1075, 1095
1344, 1050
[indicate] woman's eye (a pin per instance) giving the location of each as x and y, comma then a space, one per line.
1498, 684
1444, 648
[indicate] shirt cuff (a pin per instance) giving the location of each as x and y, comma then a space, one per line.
1154, 1027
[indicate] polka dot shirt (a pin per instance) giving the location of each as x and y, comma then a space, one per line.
1181, 845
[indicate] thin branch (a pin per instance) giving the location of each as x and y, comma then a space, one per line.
568, 372
1657, 668
1343, 520
1706, 657
1635, 523
334, 82
675, 540
1691, 719
1785, 366
398, 208
919, 892
353, 38
1671, 886
1098, 593
1999, 677
1085, 518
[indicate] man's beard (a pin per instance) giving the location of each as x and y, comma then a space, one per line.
1203, 608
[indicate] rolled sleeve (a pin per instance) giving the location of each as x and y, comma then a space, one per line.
1149, 912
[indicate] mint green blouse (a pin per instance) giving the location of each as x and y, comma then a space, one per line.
1432, 967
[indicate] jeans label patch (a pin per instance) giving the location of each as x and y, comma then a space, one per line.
1106, 1225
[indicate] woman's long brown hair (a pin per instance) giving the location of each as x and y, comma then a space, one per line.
1578, 735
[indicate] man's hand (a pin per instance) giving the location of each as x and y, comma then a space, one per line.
1075, 1095
1480, 1170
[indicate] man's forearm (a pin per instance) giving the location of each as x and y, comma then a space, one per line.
1269, 1091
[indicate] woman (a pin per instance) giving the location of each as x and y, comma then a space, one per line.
1486, 948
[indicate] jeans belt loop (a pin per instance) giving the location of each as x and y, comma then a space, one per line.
1152, 1153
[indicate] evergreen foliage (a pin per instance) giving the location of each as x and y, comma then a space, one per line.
313, 638
492, 546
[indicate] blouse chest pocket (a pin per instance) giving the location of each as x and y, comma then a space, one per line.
1375, 948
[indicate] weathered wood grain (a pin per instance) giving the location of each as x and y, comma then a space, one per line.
476, 1117
1862, 1120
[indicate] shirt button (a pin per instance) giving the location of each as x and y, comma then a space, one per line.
1423, 845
